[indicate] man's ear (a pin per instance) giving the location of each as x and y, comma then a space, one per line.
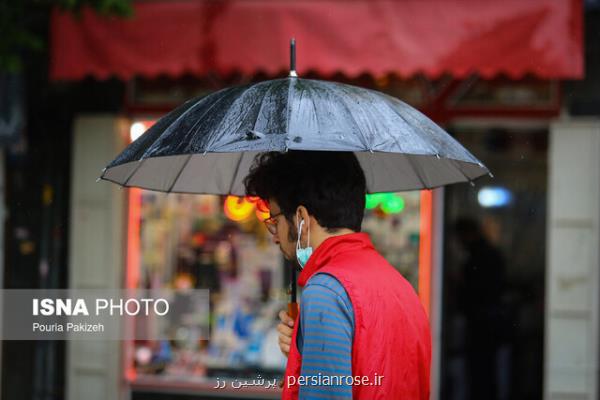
303, 214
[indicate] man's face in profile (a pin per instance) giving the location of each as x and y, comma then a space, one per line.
283, 236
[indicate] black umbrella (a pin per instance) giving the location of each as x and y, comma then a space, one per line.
208, 144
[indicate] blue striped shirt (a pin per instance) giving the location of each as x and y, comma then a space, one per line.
325, 338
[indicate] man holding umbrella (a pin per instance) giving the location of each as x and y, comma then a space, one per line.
361, 332
325, 145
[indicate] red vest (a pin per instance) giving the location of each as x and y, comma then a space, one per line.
392, 338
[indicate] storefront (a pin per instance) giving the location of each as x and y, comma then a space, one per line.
219, 243
228, 245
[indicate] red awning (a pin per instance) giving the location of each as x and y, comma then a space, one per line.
512, 37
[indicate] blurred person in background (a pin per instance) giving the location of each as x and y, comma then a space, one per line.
481, 289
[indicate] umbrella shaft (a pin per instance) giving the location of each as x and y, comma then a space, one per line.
293, 285
293, 55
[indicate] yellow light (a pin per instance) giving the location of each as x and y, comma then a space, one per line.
237, 208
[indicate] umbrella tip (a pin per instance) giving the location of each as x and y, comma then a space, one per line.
293, 73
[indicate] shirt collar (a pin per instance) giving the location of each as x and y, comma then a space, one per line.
331, 247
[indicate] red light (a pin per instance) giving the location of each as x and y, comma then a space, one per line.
425, 249
262, 206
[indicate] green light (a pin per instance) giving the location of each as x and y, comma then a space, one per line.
390, 203
393, 204
373, 200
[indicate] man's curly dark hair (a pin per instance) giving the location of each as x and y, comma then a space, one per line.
331, 185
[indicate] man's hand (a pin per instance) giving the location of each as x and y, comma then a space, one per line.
285, 329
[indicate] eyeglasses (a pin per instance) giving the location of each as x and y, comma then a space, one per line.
271, 223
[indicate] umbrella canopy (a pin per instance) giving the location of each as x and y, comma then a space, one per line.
208, 144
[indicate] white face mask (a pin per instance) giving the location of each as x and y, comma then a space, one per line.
302, 255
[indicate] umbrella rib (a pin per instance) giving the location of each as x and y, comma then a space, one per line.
262, 103
411, 162
193, 107
434, 151
235, 102
189, 157
371, 170
317, 119
453, 163
365, 140
139, 164
237, 168
408, 156
194, 127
